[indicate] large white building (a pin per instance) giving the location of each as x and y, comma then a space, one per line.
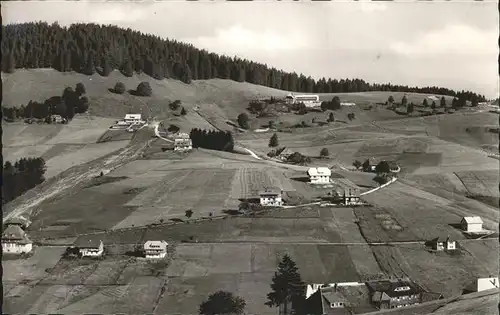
271, 197
472, 224
90, 248
133, 118
15, 240
155, 249
308, 100
319, 175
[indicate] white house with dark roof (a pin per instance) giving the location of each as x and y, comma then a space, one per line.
155, 249
271, 197
90, 247
319, 175
471, 224
15, 240
133, 118
308, 100
22, 222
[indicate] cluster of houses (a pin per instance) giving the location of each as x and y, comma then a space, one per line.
14, 238
342, 298
129, 122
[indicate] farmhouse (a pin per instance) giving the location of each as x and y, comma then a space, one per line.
471, 224
347, 104
15, 241
319, 175
394, 293
308, 100
155, 249
90, 248
271, 197
182, 142
327, 300
439, 244
133, 119
285, 154
350, 196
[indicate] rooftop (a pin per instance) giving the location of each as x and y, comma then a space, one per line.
323, 171
390, 287
15, 234
84, 242
270, 192
472, 220
155, 245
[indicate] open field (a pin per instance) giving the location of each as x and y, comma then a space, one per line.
32, 268
483, 183
412, 211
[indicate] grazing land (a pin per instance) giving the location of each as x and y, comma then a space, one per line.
148, 188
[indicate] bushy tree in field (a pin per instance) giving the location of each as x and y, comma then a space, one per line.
331, 118
183, 111
410, 108
243, 120
324, 152
433, 105
390, 100
119, 88
404, 101
442, 102
175, 105
357, 164
351, 116
144, 89
287, 288
80, 89
383, 167
425, 103
273, 142
222, 303
189, 213
366, 165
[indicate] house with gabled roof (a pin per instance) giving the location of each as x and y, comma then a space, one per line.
471, 224
319, 175
155, 249
388, 294
89, 247
326, 300
20, 221
271, 197
16, 241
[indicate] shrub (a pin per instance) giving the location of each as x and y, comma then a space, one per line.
243, 120
183, 111
324, 152
144, 89
80, 89
175, 105
119, 88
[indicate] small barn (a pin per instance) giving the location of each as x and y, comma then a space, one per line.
15, 241
155, 249
90, 247
471, 224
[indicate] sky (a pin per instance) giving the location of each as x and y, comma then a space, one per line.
450, 44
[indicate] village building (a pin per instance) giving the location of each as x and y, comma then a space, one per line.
394, 167
271, 197
155, 249
133, 119
90, 248
327, 300
307, 100
319, 175
56, 119
350, 196
447, 244
181, 144
388, 294
471, 224
285, 154
15, 241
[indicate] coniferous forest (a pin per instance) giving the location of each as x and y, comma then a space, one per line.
90, 48
21, 176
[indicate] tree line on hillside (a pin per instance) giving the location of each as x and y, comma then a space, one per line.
21, 176
288, 292
87, 48
213, 140
70, 103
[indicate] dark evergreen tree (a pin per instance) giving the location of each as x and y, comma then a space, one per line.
222, 303
287, 287
144, 89
80, 89
273, 141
